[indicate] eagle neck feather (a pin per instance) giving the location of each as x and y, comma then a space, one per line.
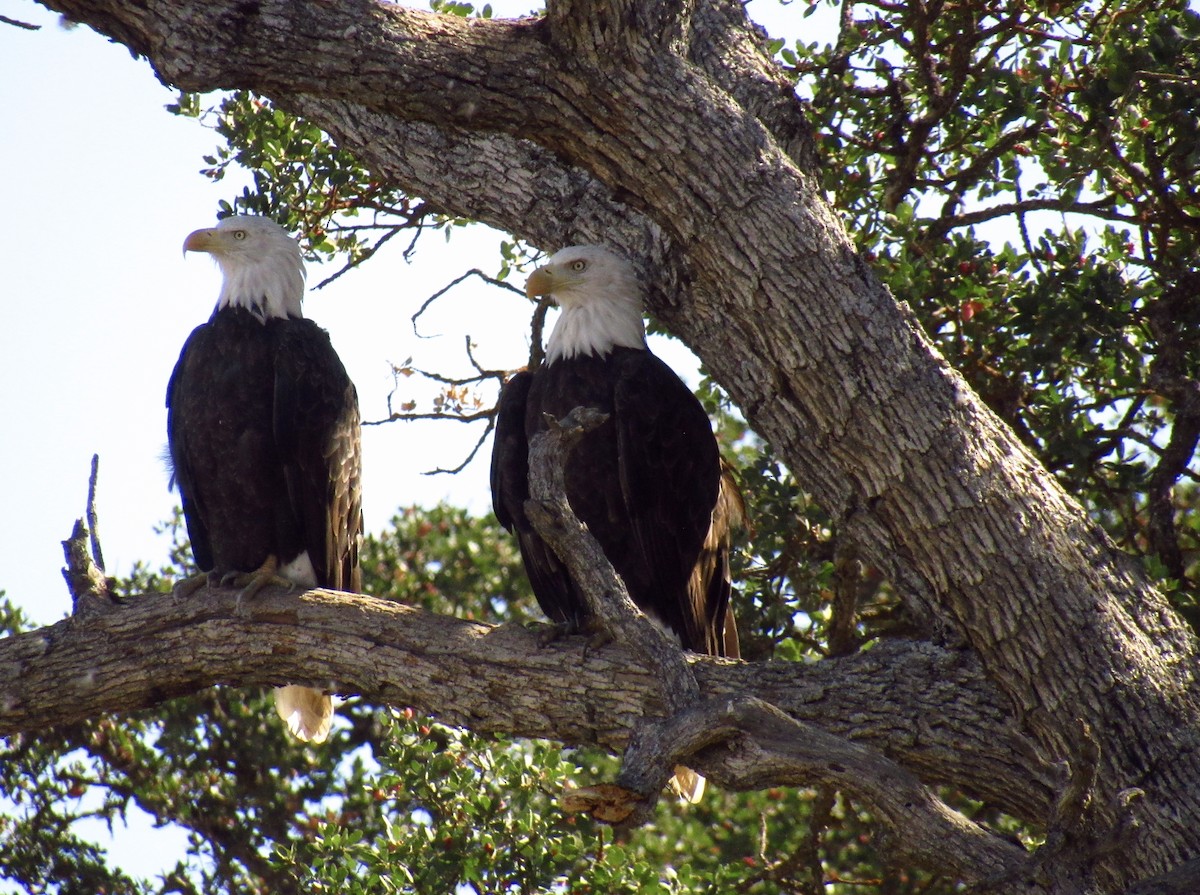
271, 287
596, 328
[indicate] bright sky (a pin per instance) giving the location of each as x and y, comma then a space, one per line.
102, 186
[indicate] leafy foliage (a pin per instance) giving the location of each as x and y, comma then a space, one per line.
1024, 175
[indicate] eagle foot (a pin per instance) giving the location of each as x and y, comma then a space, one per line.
251, 583
555, 631
597, 640
185, 587
552, 632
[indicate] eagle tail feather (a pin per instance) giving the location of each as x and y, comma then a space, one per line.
308, 713
687, 784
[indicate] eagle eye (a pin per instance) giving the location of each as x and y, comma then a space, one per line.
579, 266
239, 234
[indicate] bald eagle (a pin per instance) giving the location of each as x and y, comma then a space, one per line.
648, 483
263, 432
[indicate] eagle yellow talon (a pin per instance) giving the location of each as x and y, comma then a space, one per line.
266, 575
185, 587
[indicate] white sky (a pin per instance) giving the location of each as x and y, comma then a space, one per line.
101, 185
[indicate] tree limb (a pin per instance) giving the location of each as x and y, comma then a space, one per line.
755, 745
927, 708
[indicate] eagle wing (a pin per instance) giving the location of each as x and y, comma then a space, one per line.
318, 436
510, 453
182, 474
670, 477
551, 583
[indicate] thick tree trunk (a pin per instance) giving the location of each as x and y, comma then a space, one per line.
663, 129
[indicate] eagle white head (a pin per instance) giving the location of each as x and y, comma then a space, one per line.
261, 265
601, 301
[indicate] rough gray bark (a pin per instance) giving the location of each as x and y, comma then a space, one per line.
157, 646
662, 129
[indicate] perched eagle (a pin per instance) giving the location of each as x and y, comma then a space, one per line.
648, 483
263, 430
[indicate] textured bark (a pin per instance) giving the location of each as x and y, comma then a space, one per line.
768, 747
662, 129
502, 680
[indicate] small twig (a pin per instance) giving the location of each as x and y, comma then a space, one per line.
19, 24
483, 374
537, 351
489, 414
473, 272
93, 519
471, 456
450, 380
366, 255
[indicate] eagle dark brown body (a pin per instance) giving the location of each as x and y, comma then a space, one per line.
645, 483
648, 483
263, 431
263, 428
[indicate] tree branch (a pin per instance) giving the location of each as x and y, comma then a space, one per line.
755, 745
926, 708
492, 178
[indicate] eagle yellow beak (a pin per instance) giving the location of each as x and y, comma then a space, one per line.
540, 282
200, 241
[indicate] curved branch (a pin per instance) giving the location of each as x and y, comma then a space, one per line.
494, 178
927, 708
753, 744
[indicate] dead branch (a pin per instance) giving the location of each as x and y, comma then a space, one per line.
86, 582
473, 272
608, 600
93, 518
17, 23
84, 573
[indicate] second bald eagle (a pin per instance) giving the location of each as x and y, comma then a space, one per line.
647, 483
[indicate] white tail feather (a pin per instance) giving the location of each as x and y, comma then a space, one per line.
307, 713
687, 784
